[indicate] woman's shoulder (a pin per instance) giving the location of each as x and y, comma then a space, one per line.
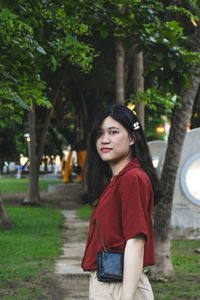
135, 171
135, 175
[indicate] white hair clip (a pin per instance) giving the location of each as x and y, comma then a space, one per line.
136, 125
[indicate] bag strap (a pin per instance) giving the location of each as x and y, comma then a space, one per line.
100, 235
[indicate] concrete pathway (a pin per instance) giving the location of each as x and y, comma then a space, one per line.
68, 267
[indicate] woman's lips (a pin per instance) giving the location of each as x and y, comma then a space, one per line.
104, 150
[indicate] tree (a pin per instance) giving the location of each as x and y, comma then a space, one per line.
195, 120
161, 39
28, 32
119, 71
106, 16
32, 196
179, 124
51, 37
138, 83
5, 222
163, 69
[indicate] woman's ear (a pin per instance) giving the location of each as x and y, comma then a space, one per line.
132, 139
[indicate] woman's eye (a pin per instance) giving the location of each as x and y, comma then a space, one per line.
99, 133
113, 132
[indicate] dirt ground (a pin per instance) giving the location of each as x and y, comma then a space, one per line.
57, 286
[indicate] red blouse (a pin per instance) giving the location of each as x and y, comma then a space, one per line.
124, 210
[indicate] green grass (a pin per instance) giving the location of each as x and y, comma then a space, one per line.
24, 293
85, 212
17, 186
28, 250
183, 287
186, 282
184, 259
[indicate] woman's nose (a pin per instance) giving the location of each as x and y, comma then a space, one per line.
105, 139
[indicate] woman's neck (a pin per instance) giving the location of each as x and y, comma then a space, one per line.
117, 167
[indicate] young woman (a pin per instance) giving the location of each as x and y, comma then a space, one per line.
123, 187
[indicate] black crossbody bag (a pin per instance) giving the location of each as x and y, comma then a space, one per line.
109, 263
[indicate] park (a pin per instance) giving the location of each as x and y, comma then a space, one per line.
60, 63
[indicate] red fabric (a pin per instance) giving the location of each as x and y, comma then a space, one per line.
123, 211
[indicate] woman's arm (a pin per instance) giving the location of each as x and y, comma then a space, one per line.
133, 265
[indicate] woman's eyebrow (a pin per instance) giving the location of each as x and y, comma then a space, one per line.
113, 127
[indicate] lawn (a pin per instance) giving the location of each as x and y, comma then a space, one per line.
186, 282
13, 185
85, 212
28, 252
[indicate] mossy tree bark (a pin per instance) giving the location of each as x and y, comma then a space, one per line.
138, 83
119, 71
32, 197
179, 124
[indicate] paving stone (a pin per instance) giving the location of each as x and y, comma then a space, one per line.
68, 265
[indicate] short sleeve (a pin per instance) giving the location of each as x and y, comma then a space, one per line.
135, 194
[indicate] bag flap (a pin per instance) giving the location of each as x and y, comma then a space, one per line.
113, 263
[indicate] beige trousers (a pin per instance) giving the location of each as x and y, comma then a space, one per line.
112, 291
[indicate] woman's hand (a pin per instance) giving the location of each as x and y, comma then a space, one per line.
133, 265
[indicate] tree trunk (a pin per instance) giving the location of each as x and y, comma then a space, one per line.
195, 120
46, 124
119, 72
57, 142
179, 124
138, 83
82, 114
84, 118
32, 197
140, 111
5, 222
1, 165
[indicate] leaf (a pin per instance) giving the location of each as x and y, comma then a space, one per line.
172, 64
21, 102
41, 50
54, 62
104, 33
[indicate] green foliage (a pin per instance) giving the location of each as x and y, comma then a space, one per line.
162, 37
17, 41
33, 36
158, 107
154, 97
154, 119
193, 14
41, 40
31, 246
144, 21
163, 40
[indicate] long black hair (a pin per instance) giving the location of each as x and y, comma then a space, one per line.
98, 171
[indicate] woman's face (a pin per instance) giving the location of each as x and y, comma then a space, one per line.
113, 141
